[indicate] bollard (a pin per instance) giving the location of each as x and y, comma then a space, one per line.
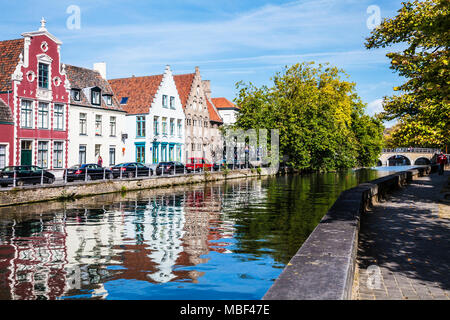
14, 178
121, 173
65, 176
162, 171
136, 171
42, 177
175, 168
149, 172
104, 173
86, 175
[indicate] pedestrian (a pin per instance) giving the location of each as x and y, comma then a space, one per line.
442, 161
100, 161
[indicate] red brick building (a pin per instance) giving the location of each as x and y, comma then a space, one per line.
6, 135
33, 84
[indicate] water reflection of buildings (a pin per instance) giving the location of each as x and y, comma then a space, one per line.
152, 239
203, 223
32, 261
75, 252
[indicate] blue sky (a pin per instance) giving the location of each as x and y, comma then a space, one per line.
229, 40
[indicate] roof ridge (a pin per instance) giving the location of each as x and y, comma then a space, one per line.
139, 77
184, 74
18, 39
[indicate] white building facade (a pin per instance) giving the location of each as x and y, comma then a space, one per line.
155, 120
97, 121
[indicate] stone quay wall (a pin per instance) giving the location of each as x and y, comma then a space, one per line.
32, 194
324, 267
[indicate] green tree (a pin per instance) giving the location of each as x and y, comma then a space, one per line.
422, 108
369, 135
314, 110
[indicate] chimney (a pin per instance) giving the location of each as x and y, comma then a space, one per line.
100, 67
207, 88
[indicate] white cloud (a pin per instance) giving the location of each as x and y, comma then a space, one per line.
295, 26
375, 106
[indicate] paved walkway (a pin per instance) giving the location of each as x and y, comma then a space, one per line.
404, 248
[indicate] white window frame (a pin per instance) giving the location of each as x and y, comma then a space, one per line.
6, 155
83, 127
59, 114
29, 119
40, 160
54, 155
43, 115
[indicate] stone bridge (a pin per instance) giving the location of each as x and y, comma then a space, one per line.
407, 156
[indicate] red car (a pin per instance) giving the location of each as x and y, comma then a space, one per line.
198, 165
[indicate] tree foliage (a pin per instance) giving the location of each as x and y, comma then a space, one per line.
321, 119
422, 108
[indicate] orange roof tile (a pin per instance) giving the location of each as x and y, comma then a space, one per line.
184, 86
9, 58
213, 114
223, 103
140, 92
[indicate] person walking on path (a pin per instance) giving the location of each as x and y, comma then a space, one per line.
100, 161
442, 161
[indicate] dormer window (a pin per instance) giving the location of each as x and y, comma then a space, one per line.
76, 94
108, 99
43, 76
95, 96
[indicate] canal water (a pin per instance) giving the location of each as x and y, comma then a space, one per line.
226, 240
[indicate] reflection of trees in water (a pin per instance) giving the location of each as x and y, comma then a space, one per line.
152, 235
287, 213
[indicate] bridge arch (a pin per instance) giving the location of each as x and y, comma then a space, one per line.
399, 160
422, 161
412, 154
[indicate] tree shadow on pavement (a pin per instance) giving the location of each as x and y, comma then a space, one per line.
406, 236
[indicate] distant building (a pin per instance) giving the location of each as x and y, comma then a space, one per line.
97, 121
202, 136
33, 84
227, 110
155, 118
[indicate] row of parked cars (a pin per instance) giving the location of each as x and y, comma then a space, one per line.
36, 175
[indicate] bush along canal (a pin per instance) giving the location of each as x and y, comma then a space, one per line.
220, 240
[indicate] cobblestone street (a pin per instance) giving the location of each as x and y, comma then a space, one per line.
404, 246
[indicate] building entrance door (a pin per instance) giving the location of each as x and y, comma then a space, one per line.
25, 153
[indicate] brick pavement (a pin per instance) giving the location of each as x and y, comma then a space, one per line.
404, 246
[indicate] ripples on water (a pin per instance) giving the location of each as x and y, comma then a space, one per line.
217, 241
